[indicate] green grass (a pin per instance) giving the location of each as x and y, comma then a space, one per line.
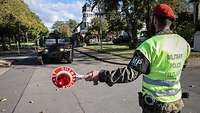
118, 50
195, 54
122, 50
23, 46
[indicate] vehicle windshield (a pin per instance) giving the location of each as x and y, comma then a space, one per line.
49, 42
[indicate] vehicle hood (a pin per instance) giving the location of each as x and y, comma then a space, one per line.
56, 47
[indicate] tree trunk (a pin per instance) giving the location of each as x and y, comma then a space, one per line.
134, 39
9, 38
19, 42
198, 11
148, 20
26, 37
197, 15
4, 43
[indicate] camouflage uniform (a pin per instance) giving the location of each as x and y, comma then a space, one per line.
172, 107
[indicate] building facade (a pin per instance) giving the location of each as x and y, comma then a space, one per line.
88, 15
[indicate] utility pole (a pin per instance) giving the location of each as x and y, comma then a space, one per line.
18, 40
101, 32
100, 14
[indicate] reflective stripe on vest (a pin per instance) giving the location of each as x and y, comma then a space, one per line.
161, 94
159, 82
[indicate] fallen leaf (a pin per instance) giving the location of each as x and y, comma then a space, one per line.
3, 110
31, 102
3, 99
192, 86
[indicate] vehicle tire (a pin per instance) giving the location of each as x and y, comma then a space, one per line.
45, 59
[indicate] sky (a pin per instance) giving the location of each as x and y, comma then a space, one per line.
50, 11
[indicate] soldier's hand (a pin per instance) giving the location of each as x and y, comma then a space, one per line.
92, 76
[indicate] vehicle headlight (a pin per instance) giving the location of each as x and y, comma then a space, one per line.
46, 50
61, 49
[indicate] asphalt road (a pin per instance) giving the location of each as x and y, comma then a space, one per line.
28, 89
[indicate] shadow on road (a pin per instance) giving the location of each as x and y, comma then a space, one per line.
25, 61
34, 61
84, 59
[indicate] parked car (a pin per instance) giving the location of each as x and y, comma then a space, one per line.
57, 49
120, 40
142, 36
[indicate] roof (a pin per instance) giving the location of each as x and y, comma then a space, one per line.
86, 5
77, 26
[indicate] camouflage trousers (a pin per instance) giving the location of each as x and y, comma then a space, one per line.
172, 107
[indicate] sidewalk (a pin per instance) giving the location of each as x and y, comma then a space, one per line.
7, 58
14, 53
192, 62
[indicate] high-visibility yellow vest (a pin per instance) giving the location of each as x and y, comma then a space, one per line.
167, 55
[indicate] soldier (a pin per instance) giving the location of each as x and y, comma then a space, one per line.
160, 59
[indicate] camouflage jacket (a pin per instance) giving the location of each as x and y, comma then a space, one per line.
139, 64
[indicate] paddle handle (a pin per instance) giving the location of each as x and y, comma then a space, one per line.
80, 77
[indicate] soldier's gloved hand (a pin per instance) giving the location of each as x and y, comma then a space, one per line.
92, 76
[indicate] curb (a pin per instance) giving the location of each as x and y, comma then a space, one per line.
13, 54
4, 70
5, 63
92, 56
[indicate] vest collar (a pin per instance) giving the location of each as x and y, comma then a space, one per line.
164, 32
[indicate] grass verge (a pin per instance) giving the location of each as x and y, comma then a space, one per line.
122, 50
118, 50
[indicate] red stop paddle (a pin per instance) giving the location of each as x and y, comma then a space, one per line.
64, 77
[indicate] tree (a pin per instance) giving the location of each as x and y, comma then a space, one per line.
134, 12
96, 25
130, 10
17, 19
65, 27
57, 25
65, 30
72, 23
184, 26
196, 6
